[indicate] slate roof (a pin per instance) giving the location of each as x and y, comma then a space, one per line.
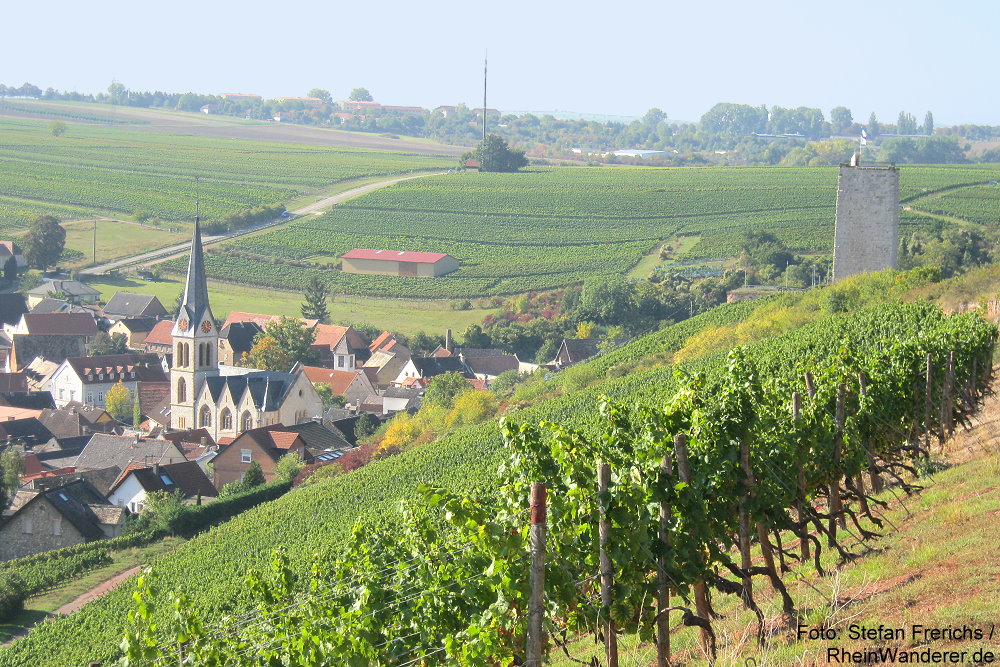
578, 349
194, 303
187, 476
50, 305
240, 335
492, 366
104, 450
54, 348
129, 305
469, 352
400, 392
12, 306
14, 382
318, 437
138, 324
429, 367
101, 479
131, 367
60, 324
67, 287
267, 388
81, 504
194, 435
28, 430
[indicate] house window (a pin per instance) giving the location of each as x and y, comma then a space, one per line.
205, 418
61, 393
57, 528
340, 361
100, 376
100, 397
26, 526
226, 420
90, 397
246, 456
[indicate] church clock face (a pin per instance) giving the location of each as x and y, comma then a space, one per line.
183, 325
206, 326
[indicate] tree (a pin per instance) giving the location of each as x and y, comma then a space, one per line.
57, 128
653, 117
267, 355
117, 92
253, 476
906, 123
928, 123
136, 411
105, 344
444, 388
330, 399
472, 407
423, 344
321, 94
360, 95
288, 466
873, 127
293, 338
607, 300
118, 401
44, 242
493, 154
475, 337
314, 304
365, 426
10, 474
840, 119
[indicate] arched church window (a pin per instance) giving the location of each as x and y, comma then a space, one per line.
226, 420
181, 391
246, 421
205, 416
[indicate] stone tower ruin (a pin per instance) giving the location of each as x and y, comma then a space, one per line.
866, 237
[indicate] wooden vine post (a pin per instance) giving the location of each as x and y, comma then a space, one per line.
662, 582
928, 398
834, 505
948, 420
700, 590
744, 517
536, 604
870, 459
802, 500
604, 535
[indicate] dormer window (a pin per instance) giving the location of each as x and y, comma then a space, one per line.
100, 376
90, 378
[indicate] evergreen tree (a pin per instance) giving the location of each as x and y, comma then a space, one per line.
493, 154
928, 123
254, 476
314, 304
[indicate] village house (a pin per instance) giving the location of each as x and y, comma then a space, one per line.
135, 330
71, 514
71, 290
52, 336
12, 261
265, 446
353, 386
334, 346
127, 305
103, 451
159, 340
236, 339
12, 307
88, 379
137, 482
426, 368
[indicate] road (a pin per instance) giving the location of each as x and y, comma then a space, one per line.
170, 252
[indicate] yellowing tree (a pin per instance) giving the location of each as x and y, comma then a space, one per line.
267, 355
472, 407
118, 401
584, 329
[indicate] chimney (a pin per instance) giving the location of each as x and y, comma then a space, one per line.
447, 340
135, 443
204, 441
156, 469
10, 418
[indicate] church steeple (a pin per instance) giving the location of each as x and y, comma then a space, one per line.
195, 301
195, 343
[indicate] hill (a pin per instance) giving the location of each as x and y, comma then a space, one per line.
546, 228
318, 519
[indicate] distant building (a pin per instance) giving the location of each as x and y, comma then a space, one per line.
125, 305
240, 97
88, 379
398, 263
866, 234
638, 152
71, 290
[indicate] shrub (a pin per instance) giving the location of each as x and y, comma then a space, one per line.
13, 593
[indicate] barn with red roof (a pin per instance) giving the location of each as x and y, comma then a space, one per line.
398, 263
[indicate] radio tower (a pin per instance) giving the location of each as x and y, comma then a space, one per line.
485, 55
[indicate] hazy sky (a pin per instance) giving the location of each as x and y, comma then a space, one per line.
619, 57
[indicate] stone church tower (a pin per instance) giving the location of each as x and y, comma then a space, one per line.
195, 342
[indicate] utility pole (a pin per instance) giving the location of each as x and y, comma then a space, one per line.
95, 240
485, 57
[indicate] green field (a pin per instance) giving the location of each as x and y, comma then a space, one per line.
400, 315
122, 170
977, 203
546, 228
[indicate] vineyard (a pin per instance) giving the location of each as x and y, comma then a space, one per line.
978, 203
467, 463
123, 171
550, 227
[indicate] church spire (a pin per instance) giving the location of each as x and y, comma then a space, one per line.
196, 288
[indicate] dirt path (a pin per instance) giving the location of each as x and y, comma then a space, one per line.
98, 591
179, 250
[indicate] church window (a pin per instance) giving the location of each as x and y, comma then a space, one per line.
181, 391
246, 421
205, 418
226, 420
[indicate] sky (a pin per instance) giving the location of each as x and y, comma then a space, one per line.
620, 58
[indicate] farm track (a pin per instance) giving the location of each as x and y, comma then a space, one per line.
171, 252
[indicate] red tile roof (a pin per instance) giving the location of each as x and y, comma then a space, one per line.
284, 439
160, 335
396, 255
338, 381
262, 320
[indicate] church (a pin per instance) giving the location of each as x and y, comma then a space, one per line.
225, 400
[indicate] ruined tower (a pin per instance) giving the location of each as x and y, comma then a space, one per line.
866, 237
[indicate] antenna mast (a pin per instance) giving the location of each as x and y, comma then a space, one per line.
485, 56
